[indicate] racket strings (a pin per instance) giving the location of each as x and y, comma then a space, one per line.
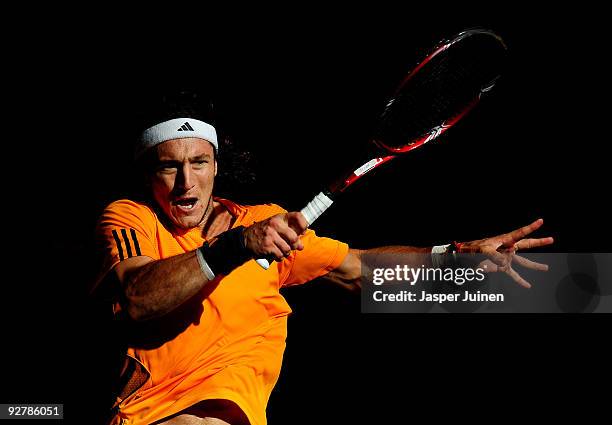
440, 90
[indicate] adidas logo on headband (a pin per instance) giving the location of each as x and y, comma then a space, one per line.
186, 127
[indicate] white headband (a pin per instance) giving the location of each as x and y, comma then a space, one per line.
178, 128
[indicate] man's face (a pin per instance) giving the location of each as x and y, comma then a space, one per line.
182, 179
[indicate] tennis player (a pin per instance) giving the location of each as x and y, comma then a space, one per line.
204, 325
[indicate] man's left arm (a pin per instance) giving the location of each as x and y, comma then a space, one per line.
500, 252
348, 274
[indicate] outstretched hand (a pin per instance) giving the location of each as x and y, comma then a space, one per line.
501, 251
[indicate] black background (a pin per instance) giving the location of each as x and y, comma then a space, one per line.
301, 90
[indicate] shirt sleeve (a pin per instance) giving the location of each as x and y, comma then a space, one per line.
319, 256
126, 229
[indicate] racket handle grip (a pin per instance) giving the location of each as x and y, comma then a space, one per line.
311, 212
316, 207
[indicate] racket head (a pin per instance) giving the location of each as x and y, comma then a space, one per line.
441, 90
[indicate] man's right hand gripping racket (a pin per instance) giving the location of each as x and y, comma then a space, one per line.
432, 98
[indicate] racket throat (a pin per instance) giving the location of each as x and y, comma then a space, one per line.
342, 185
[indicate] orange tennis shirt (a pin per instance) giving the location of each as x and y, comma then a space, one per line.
235, 347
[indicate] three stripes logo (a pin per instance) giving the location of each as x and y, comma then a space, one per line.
186, 127
124, 241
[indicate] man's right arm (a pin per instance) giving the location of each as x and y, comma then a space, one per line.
153, 288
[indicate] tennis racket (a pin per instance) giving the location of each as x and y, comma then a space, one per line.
433, 97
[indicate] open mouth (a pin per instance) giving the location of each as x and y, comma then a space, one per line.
186, 204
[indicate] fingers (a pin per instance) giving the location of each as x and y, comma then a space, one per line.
277, 249
491, 267
500, 259
286, 238
511, 238
289, 226
517, 278
297, 222
530, 264
276, 237
290, 237
533, 243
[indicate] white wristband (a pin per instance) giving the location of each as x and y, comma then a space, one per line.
440, 249
436, 255
206, 270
